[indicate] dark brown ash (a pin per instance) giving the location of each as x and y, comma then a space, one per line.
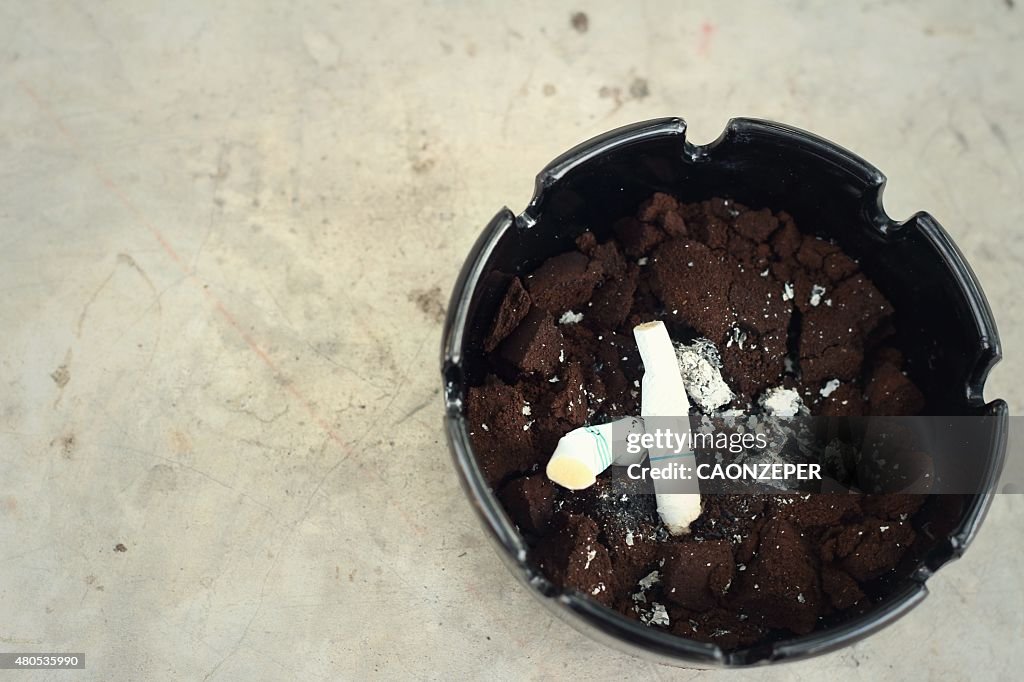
793, 324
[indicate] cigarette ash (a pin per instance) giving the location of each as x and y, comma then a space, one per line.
772, 414
789, 442
656, 616
817, 291
739, 337
650, 612
569, 317
782, 402
829, 388
625, 509
728, 517
701, 367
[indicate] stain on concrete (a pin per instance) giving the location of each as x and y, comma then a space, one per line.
161, 478
66, 444
429, 302
639, 88
61, 376
179, 442
580, 22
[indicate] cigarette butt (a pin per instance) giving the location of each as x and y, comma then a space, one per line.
662, 391
663, 404
584, 453
678, 511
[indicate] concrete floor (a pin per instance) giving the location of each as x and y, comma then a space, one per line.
227, 236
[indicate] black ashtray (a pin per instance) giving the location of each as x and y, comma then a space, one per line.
944, 325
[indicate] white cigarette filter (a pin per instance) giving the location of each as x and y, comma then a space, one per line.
662, 391
585, 452
664, 405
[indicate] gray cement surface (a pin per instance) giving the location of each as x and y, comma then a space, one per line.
227, 237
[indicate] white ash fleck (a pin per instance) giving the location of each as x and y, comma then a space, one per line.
737, 336
700, 365
649, 580
569, 317
882, 529
657, 616
553, 380
787, 291
789, 365
641, 261
800, 598
828, 302
527, 425
816, 293
644, 584
526, 409
765, 273
561, 355
729, 418
629, 538
598, 590
484, 427
782, 402
590, 557
829, 388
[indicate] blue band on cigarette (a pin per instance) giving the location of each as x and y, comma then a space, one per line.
681, 454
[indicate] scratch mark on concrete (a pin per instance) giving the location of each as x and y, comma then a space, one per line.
255, 613
200, 472
408, 415
122, 259
92, 299
1004, 141
263, 420
400, 384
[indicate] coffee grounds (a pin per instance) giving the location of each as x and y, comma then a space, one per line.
783, 309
